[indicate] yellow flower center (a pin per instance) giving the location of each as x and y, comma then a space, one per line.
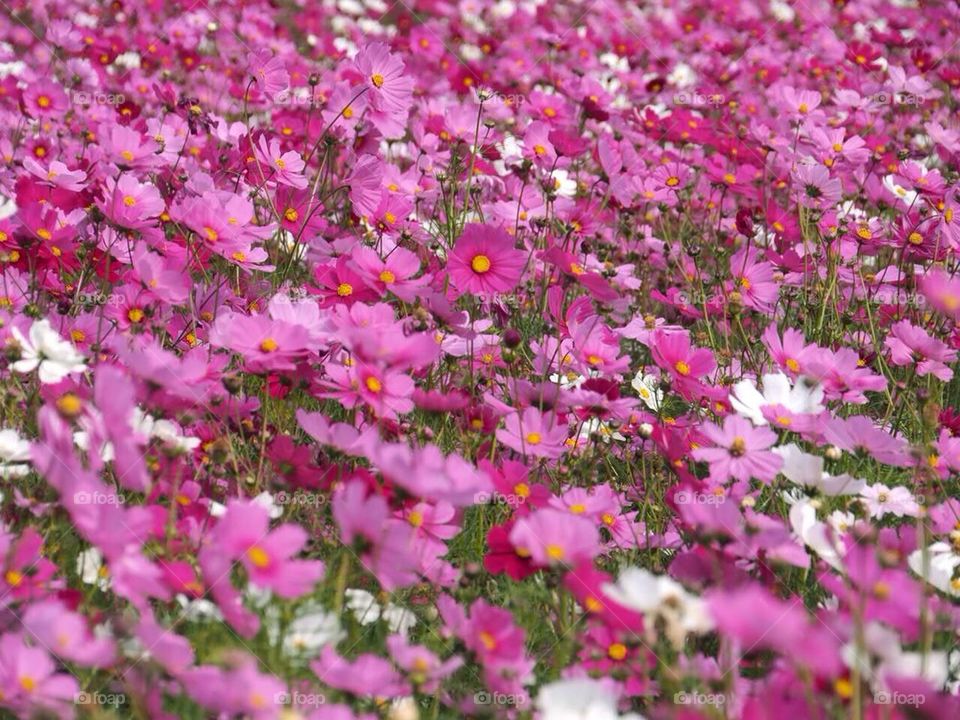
673, 181
480, 263
377, 80
344, 289
268, 345
387, 277
555, 552
135, 315
127, 155
617, 651
682, 367
69, 404
534, 438
415, 518
373, 384
258, 556
129, 200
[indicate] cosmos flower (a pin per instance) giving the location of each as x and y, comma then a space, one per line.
484, 261
45, 351
740, 451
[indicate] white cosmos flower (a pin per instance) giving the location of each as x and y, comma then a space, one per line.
942, 563
563, 184
14, 454
91, 570
367, 611
46, 351
580, 699
661, 597
807, 470
167, 432
312, 629
802, 398
814, 534
909, 197
648, 388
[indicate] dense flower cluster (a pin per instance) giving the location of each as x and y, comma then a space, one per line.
561, 360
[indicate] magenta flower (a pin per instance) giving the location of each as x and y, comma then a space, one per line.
534, 433
390, 88
264, 343
285, 168
673, 352
741, 451
269, 72
29, 681
911, 345
552, 537
243, 533
484, 260
130, 203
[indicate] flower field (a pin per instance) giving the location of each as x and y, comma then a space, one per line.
426, 360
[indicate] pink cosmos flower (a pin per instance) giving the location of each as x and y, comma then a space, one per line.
44, 98
269, 72
394, 273
264, 343
238, 691
942, 291
57, 174
420, 664
741, 451
799, 104
367, 675
390, 88
754, 280
533, 433
909, 345
130, 203
859, 433
67, 634
385, 390
285, 168
551, 537
881, 500
484, 260
673, 352
243, 533
29, 682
